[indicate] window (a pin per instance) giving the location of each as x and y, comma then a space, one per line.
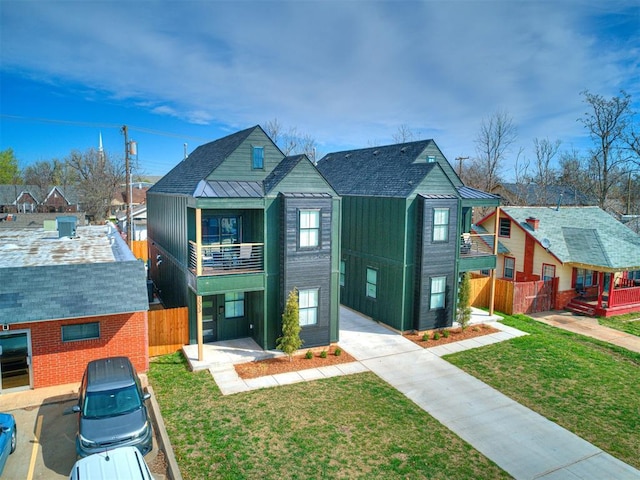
548, 271
505, 227
509, 267
440, 224
431, 158
309, 228
217, 230
584, 278
372, 283
342, 270
438, 288
308, 306
485, 272
80, 331
258, 158
234, 305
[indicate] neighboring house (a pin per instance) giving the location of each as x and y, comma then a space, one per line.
595, 258
531, 194
33, 199
406, 233
233, 228
69, 294
120, 200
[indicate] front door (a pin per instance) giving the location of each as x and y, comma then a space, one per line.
15, 360
233, 321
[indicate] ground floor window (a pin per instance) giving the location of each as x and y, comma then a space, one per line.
81, 331
584, 278
372, 283
234, 305
438, 289
548, 272
509, 267
308, 306
342, 271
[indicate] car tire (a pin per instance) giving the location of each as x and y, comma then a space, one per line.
14, 435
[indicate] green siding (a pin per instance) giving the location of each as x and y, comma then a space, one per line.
304, 177
436, 183
237, 166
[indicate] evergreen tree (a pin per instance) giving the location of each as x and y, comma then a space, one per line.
464, 297
290, 340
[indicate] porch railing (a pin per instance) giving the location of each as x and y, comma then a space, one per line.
624, 296
227, 259
475, 244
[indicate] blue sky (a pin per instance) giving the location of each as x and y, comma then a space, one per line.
348, 73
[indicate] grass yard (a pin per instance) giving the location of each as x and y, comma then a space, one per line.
585, 385
629, 323
354, 426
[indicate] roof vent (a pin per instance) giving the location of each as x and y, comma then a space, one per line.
347, 155
403, 149
375, 152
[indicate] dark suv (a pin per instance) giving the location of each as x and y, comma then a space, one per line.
112, 408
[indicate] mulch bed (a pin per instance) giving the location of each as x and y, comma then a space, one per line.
455, 335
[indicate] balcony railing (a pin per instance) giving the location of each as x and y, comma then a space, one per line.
474, 244
227, 259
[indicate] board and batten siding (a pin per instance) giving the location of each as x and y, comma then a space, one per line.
436, 259
308, 268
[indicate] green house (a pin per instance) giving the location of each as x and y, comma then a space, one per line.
237, 225
406, 233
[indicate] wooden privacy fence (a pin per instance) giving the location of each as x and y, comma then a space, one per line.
168, 330
514, 297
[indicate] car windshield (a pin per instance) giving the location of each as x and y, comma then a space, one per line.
110, 403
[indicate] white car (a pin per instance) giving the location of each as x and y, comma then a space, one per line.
124, 463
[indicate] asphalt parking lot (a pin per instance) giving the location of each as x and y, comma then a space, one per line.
46, 443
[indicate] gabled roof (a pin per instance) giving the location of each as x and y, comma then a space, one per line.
488, 238
185, 177
387, 171
534, 195
9, 193
582, 235
281, 171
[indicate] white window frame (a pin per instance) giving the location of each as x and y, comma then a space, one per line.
440, 225
371, 288
308, 301
512, 261
309, 228
437, 293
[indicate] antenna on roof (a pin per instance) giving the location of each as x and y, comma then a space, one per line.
185, 151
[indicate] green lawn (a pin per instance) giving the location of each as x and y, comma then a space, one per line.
629, 323
587, 386
355, 426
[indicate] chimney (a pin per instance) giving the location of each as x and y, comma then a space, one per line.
533, 222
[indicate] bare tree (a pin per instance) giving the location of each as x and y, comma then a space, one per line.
291, 141
99, 179
608, 124
404, 134
497, 134
545, 150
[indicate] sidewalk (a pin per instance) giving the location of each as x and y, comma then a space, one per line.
589, 327
520, 441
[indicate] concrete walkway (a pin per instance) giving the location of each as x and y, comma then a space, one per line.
520, 441
589, 327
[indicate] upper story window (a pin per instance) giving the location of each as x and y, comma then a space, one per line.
309, 230
257, 162
440, 224
431, 158
216, 230
505, 227
372, 283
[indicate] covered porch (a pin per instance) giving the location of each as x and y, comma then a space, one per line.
613, 295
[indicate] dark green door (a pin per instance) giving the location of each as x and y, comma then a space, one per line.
232, 319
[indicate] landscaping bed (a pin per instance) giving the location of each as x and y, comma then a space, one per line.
451, 335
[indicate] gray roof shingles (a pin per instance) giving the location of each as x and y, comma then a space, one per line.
387, 171
55, 292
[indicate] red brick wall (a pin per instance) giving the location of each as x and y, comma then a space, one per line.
55, 362
563, 298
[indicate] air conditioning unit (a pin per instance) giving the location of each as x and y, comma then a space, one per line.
66, 226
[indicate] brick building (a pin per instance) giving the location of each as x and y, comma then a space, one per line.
68, 294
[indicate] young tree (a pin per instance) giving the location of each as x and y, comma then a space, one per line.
609, 124
290, 340
464, 298
496, 135
9, 172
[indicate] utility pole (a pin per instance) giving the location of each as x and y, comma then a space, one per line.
460, 159
127, 167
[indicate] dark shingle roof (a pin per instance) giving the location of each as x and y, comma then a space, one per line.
387, 171
533, 195
55, 292
9, 193
281, 171
184, 177
472, 193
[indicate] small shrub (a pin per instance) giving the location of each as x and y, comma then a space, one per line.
337, 352
445, 333
323, 354
475, 329
308, 355
425, 336
436, 336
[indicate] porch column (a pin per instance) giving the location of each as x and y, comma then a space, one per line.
612, 277
198, 242
495, 254
199, 326
600, 288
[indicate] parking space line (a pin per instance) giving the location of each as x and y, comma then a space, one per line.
34, 451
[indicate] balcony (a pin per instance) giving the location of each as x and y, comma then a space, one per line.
476, 252
227, 259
